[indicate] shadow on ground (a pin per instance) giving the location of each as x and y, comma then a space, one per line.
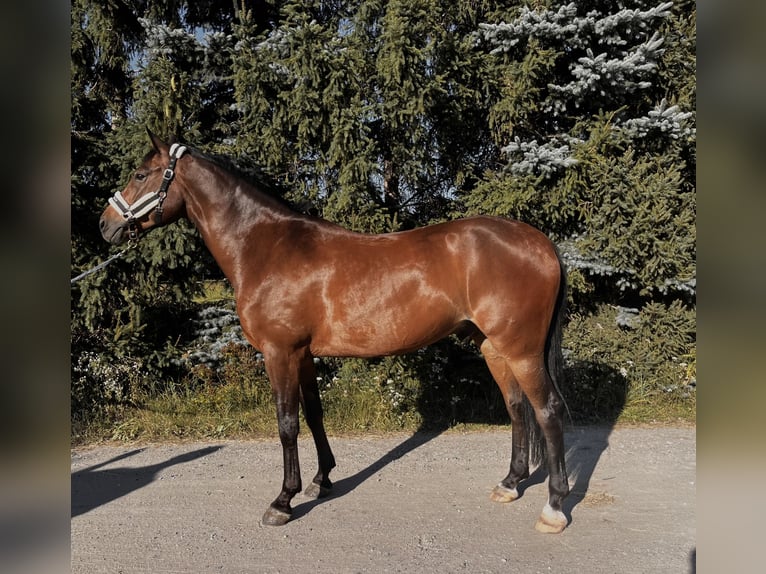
95, 486
349, 483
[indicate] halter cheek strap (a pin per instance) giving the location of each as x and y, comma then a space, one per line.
150, 201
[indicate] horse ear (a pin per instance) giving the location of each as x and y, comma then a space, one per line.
158, 144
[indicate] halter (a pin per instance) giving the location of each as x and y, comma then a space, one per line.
150, 201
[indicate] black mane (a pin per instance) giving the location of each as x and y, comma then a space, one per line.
253, 174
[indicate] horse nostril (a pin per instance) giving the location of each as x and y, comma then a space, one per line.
102, 224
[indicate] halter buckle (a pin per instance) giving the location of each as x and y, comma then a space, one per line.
132, 230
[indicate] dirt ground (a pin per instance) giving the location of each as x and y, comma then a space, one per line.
402, 503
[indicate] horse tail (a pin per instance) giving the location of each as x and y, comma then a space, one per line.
554, 362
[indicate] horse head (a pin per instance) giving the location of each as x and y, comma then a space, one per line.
149, 200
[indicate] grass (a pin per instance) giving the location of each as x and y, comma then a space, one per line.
669, 413
160, 421
244, 410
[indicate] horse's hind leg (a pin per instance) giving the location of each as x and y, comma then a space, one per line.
312, 409
536, 384
506, 490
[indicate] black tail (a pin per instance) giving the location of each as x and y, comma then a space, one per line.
554, 360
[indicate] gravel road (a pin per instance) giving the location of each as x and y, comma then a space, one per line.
403, 503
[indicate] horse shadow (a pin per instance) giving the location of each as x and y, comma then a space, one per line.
95, 486
346, 485
592, 417
597, 395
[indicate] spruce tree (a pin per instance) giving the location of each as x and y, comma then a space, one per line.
371, 108
598, 151
137, 65
595, 121
578, 118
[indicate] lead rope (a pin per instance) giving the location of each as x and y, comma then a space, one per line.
101, 265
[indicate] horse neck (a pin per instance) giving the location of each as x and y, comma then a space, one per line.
236, 219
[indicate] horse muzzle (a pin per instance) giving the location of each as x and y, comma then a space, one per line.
115, 231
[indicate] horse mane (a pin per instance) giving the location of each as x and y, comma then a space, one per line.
251, 173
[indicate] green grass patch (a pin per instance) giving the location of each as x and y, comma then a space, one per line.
230, 411
380, 396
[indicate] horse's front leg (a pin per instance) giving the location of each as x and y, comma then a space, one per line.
284, 374
321, 486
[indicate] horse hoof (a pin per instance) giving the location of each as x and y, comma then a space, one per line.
503, 494
551, 521
315, 490
274, 517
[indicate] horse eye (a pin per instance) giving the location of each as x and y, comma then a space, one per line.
140, 176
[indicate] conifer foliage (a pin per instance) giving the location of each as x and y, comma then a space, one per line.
578, 118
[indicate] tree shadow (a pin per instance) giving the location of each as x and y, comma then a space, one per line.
92, 488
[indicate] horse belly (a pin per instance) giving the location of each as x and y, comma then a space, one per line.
400, 321
373, 339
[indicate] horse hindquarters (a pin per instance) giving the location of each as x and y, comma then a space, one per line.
521, 342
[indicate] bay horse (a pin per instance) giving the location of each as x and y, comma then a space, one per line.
305, 287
